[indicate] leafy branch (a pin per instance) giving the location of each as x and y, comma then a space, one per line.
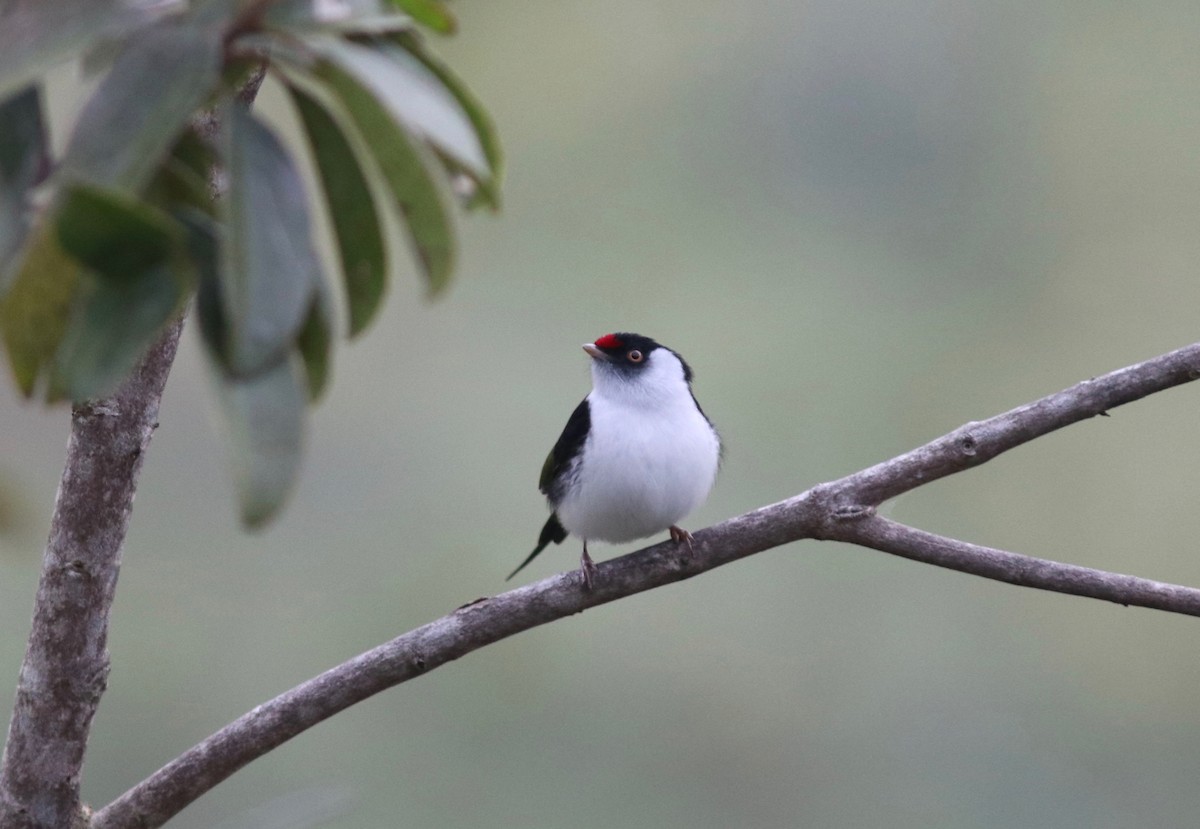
101, 248
842, 510
170, 193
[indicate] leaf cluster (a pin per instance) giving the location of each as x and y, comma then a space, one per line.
171, 190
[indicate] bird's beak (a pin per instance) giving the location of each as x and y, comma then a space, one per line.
595, 353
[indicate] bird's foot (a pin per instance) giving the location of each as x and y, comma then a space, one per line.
587, 570
681, 536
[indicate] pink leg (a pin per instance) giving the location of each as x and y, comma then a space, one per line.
587, 569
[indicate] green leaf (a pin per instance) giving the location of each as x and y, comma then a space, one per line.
37, 35
485, 130
269, 268
182, 180
140, 108
315, 343
263, 418
114, 235
202, 250
132, 291
432, 13
114, 322
411, 93
420, 196
23, 156
36, 306
262, 414
352, 211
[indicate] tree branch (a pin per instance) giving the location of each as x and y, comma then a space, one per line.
842, 510
887, 536
66, 661
975, 443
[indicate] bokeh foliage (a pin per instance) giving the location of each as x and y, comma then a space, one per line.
170, 187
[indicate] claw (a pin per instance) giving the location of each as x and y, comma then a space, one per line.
680, 535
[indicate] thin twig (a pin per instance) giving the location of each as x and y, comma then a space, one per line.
975, 443
882, 534
843, 510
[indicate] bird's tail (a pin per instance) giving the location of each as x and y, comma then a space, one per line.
552, 532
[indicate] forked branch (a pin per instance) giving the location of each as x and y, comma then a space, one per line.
842, 510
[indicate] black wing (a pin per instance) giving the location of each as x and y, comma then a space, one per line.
554, 471
569, 443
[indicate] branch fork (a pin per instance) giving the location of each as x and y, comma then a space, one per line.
843, 510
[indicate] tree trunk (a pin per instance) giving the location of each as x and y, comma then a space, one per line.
65, 669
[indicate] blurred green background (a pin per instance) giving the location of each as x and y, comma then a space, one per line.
864, 224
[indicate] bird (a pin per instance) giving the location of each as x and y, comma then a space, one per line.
636, 456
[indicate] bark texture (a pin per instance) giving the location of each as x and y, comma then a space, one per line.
65, 669
842, 510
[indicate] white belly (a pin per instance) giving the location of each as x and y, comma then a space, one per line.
643, 473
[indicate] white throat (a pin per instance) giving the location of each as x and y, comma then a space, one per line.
659, 384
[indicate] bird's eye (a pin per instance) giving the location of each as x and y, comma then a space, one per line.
636, 356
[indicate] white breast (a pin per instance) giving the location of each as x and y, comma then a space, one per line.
647, 462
